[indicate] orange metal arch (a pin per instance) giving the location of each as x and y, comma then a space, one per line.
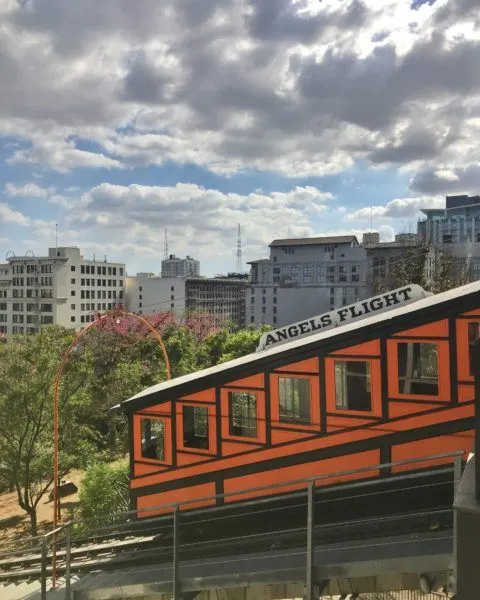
78, 337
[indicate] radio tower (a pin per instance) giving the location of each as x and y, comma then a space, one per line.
165, 246
239, 249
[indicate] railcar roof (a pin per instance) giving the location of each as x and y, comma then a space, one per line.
265, 355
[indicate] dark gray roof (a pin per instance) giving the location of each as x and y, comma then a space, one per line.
316, 241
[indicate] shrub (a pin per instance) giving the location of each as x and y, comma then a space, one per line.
104, 490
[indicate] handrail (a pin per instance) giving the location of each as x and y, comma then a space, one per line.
305, 480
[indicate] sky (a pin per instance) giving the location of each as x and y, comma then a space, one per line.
119, 119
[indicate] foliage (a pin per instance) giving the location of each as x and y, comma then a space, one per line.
27, 370
104, 490
112, 362
225, 346
434, 269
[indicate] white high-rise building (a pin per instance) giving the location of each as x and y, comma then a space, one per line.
147, 293
62, 289
180, 267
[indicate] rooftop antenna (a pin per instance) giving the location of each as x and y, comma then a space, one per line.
239, 249
56, 238
165, 246
371, 218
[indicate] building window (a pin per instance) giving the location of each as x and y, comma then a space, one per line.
274, 320
72, 268
153, 438
243, 414
294, 399
72, 319
252, 319
82, 269
473, 336
72, 293
195, 427
418, 368
353, 385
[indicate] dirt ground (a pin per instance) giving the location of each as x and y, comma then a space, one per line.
15, 523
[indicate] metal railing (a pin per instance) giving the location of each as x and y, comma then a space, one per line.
69, 549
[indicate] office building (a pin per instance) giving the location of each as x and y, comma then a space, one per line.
458, 222
304, 277
180, 267
147, 293
221, 297
62, 289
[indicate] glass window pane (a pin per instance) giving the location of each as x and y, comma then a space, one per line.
153, 438
243, 414
195, 427
473, 335
418, 368
294, 399
352, 385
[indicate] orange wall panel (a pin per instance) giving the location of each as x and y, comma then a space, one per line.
303, 366
429, 447
157, 501
255, 381
306, 470
367, 349
472, 313
162, 409
400, 409
280, 436
230, 448
466, 393
203, 396
142, 469
336, 423
190, 459
437, 329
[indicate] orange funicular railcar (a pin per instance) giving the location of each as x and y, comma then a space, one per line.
388, 388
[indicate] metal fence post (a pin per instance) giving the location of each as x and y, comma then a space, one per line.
43, 582
176, 577
309, 594
68, 545
457, 475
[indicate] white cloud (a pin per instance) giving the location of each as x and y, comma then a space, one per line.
28, 190
11, 216
400, 208
301, 88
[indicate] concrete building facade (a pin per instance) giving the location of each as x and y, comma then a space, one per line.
309, 276
304, 277
147, 293
221, 297
62, 289
180, 267
458, 222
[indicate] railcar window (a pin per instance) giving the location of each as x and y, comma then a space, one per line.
195, 427
243, 414
473, 336
294, 399
153, 438
418, 368
353, 385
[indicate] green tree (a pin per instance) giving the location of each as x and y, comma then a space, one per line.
104, 490
223, 346
28, 365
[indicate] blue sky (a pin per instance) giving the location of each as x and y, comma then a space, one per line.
292, 118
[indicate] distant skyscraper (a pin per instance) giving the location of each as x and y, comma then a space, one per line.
180, 267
